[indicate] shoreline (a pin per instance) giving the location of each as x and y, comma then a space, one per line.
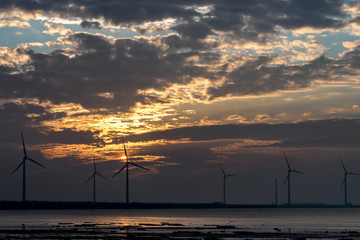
162, 231
16, 205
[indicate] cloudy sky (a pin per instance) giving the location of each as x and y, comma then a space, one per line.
187, 84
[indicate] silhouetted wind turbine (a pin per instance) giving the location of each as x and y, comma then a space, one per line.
94, 182
127, 172
23, 163
224, 183
344, 183
288, 178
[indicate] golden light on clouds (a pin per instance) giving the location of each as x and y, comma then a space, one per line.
240, 74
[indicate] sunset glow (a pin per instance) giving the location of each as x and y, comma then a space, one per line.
185, 84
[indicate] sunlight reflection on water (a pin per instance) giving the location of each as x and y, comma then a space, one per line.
255, 219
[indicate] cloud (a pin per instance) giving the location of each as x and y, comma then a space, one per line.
15, 117
193, 30
90, 24
18, 24
56, 29
14, 57
98, 65
319, 133
257, 77
351, 45
246, 20
126, 68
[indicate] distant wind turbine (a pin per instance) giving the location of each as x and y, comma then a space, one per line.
224, 183
127, 172
288, 178
344, 183
23, 163
93, 176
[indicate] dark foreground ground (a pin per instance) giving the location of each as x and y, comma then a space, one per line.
161, 231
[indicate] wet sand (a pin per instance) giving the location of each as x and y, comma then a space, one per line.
164, 230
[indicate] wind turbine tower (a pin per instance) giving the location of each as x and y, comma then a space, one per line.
224, 183
23, 164
344, 183
127, 172
93, 176
276, 192
290, 170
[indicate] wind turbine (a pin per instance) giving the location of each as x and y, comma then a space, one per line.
344, 183
288, 178
127, 172
93, 176
23, 163
224, 183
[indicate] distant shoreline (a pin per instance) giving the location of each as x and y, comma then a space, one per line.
16, 205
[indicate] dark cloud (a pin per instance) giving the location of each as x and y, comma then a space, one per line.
258, 77
351, 59
193, 30
90, 24
22, 117
246, 19
121, 68
313, 147
110, 74
330, 133
176, 42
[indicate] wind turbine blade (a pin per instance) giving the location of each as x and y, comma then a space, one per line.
90, 178
296, 171
127, 158
351, 173
101, 176
343, 165
23, 143
286, 179
287, 162
22, 162
230, 175
32, 160
120, 170
343, 183
94, 166
136, 165
222, 169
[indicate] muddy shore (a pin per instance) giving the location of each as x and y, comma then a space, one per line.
161, 231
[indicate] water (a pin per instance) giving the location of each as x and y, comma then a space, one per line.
247, 219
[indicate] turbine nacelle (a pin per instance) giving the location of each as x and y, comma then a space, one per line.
126, 165
231, 175
346, 173
290, 170
96, 173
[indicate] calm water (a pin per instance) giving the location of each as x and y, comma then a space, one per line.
252, 219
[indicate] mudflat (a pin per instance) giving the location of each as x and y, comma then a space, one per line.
162, 231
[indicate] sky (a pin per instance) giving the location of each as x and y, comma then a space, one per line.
187, 84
